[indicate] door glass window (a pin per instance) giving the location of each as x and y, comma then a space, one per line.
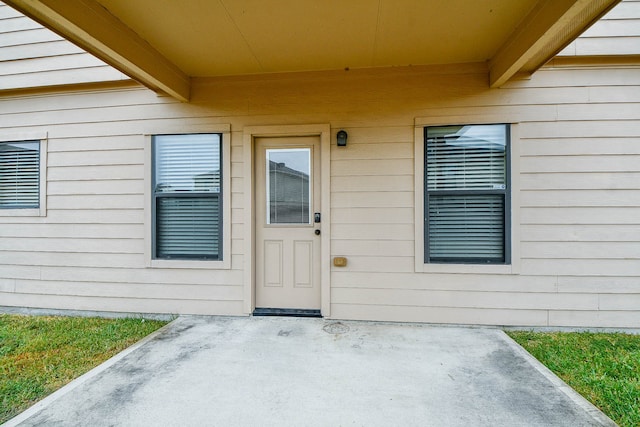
288, 186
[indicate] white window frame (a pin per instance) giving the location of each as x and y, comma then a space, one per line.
225, 262
459, 268
41, 210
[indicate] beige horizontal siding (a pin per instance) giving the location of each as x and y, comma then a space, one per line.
598, 233
130, 305
60, 61
571, 215
342, 278
605, 319
33, 56
354, 231
78, 216
368, 182
140, 275
590, 79
71, 257
103, 172
616, 33
373, 247
25, 37
582, 250
578, 211
53, 230
600, 284
570, 146
580, 198
38, 52
95, 187
472, 316
373, 199
72, 245
579, 181
371, 215
468, 299
570, 265
129, 290
577, 163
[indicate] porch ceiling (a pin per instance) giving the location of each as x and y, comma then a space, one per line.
162, 43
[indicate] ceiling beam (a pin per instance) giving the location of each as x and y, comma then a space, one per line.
90, 26
546, 30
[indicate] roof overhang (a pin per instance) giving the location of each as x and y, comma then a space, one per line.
162, 44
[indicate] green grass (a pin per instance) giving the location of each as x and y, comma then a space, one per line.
40, 354
603, 367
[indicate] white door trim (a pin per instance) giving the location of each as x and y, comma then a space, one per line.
249, 135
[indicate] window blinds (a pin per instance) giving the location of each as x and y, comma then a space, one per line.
466, 157
187, 163
466, 184
19, 175
469, 227
187, 227
187, 196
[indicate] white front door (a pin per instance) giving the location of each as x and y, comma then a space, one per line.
287, 223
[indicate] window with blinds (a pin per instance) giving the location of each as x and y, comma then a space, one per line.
19, 175
466, 194
187, 196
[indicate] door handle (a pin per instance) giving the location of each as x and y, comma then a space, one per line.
317, 232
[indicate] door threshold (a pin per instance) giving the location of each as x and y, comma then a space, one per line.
286, 312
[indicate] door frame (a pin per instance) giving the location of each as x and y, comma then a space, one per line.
250, 133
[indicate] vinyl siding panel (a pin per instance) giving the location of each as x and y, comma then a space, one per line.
466, 299
32, 56
606, 319
448, 282
616, 33
579, 233
129, 305
470, 316
577, 210
603, 284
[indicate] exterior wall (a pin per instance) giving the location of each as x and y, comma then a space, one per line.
577, 164
33, 56
616, 33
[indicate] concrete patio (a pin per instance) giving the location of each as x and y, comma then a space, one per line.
272, 371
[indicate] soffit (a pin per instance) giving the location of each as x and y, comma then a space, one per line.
163, 43
230, 37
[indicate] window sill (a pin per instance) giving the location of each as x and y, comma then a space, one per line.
23, 212
466, 268
177, 263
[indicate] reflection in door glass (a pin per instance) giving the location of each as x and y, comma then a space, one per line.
288, 186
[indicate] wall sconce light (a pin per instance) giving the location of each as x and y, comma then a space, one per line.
342, 138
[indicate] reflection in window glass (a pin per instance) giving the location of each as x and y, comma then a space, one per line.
288, 186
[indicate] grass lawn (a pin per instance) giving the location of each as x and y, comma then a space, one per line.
603, 367
40, 354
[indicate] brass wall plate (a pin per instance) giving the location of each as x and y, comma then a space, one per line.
340, 261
